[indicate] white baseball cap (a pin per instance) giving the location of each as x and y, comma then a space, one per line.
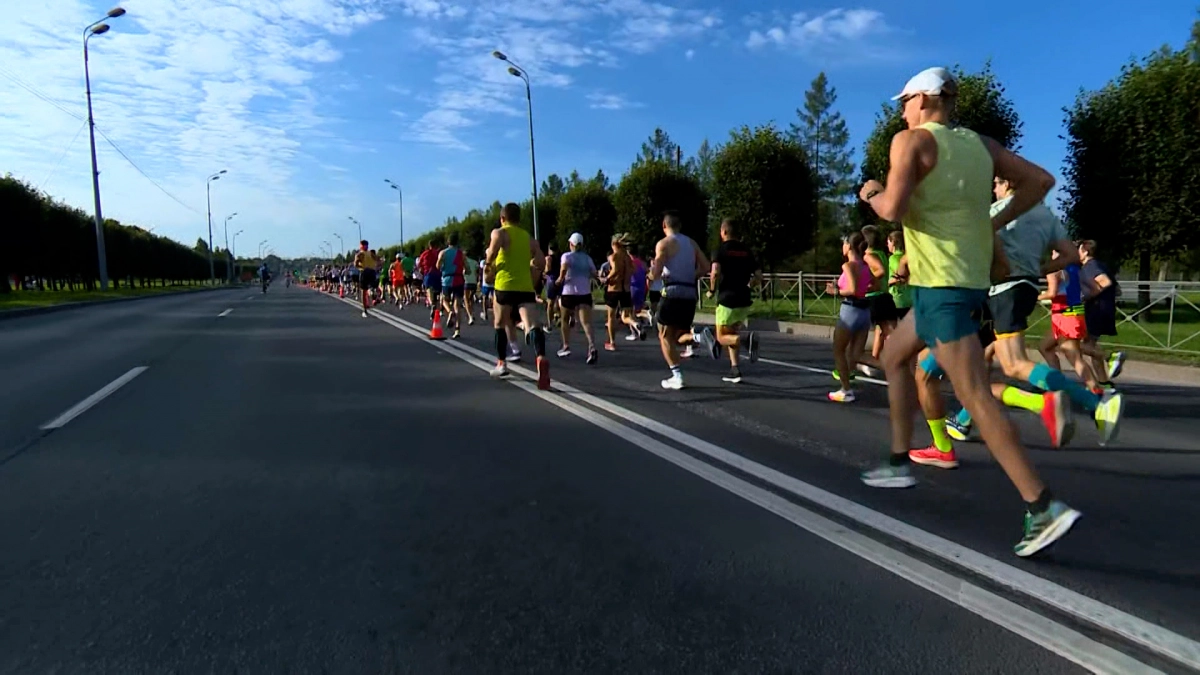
929, 81
575, 239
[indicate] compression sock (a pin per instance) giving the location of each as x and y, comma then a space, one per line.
539, 341
1042, 503
501, 344
940, 440
1048, 379
1019, 398
963, 418
676, 372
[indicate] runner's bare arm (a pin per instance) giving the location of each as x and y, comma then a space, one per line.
714, 275
1051, 287
1030, 182
891, 203
660, 260
489, 263
701, 258
537, 259
1068, 254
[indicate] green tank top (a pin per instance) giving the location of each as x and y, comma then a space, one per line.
878, 285
948, 226
512, 262
901, 294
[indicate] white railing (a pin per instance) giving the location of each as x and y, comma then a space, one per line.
798, 296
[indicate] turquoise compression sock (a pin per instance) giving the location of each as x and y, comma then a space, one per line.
1048, 379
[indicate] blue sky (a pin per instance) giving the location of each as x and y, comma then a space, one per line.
310, 104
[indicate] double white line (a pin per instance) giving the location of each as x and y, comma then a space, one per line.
1035, 627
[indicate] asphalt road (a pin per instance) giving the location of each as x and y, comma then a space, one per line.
292, 488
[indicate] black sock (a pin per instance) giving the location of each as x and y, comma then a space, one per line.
899, 460
539, 341
501, 344
1042, 503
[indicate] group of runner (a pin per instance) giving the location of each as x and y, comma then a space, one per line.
953, 291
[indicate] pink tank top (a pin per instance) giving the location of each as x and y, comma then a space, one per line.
864, 280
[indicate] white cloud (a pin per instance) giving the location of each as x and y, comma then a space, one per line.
185, 89
549, 39
689, 54
603, 101
806, 32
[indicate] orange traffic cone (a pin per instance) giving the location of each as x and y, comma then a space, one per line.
436, 333
341, 291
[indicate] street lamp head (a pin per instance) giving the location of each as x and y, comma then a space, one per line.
223, 171
500, 55
115, 12
514, 72
100, 29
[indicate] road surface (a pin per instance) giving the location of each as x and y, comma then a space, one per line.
232, 482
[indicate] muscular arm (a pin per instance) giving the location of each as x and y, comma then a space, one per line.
701, 258
1051, 287
714, 275
660, 260
1068, 254
906, 173
1030, 182
537, 260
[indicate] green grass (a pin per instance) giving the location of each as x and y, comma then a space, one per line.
25, 299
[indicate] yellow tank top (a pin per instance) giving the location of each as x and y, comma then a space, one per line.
948, 228
512, 262
368, 261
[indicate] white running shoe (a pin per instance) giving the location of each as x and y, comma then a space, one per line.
673, 382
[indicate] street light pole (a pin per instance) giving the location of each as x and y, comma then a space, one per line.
261, 244
359, 226
233, 252
401, 192
228, 267
517, 71
212, 270
96, 28
341, 242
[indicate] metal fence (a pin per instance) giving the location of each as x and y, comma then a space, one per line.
1169, 323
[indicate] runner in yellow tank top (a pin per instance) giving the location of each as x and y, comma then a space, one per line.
939, 187
511, 258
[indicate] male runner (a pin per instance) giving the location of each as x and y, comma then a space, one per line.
950, 251
678, 260
365, 262
451, 262
1011, 302
882, 306
409, 265
396, 273
470, 285
637, 285
431, 276
733, 267
511, 259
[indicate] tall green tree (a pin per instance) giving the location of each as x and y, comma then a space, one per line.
761, 179
823, 134
1133, 162
701, 165
659, 148
587, 208
552, 188
652, 187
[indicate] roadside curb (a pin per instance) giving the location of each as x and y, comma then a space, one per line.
62, 306
1142, 371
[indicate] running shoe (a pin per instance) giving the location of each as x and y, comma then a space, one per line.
734, 376
959, 432
470, 320
710, 341
543, 373
1046, 528
867, 370
752, 346
931, 456
1056, 415
673, 382
564, 352
838, 377
514, 353
1108, 415
888, 476
483, 316
1116, 361
610, 347
842, 396
364, 314
501, 370
687, 352
632, 337
592, 356
456, 334
638, 333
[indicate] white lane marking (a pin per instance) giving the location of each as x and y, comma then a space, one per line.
83, 406
811, 369
1036, 628
1136, 630
252, 297
226, 312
